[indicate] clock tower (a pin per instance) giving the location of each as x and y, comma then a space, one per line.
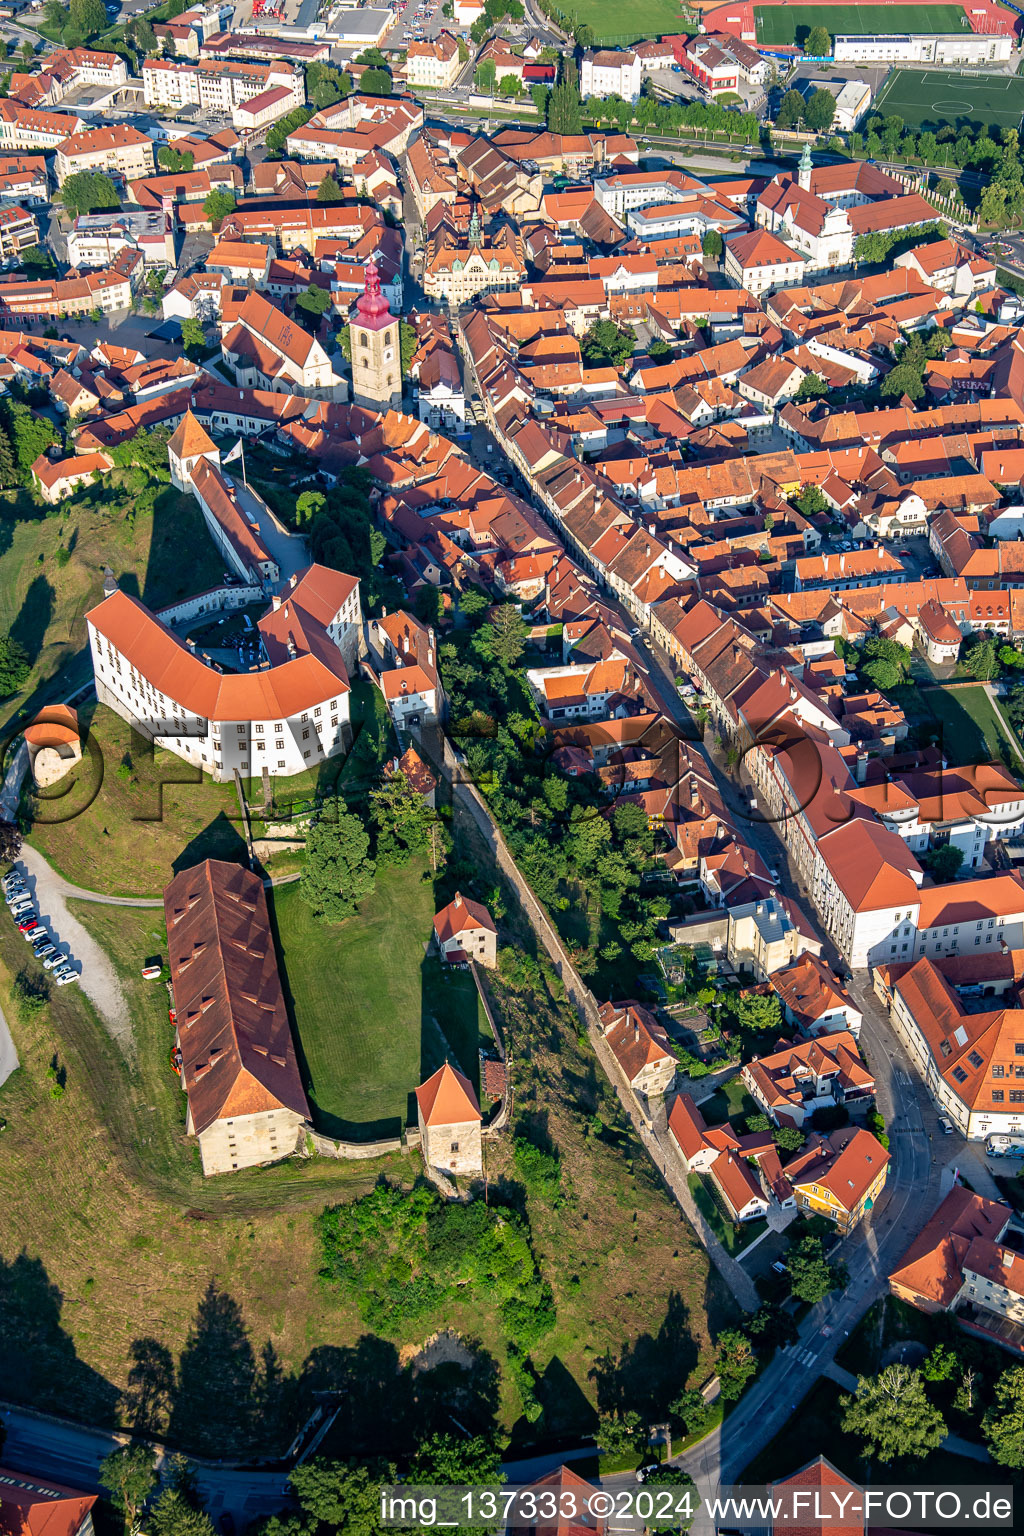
376, 353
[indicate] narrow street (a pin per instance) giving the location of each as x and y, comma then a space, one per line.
914, 1183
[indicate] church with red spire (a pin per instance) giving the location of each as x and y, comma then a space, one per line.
376, 349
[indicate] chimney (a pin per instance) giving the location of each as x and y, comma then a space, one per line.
275, 602
292, 652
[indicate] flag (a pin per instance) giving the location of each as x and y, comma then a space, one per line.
236, 453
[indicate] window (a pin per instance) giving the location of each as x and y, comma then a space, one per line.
998, 1071
241, 730
259, 730
280, 762
997, 1095
317, 711
305, 735
959, 1075
279, 744
1016, 1096
455, 1146
974, 1059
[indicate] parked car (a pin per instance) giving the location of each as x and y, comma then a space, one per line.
47, 949
15, 893
62, 978
27, 920
945, 1126
21, 909
51, 962
33, 931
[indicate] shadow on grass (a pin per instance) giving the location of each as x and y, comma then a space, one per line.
648, 1373
221, 839
29, 628
39, 1364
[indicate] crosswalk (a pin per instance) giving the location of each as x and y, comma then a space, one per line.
804, 1356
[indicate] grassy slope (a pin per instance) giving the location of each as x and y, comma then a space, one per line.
42, 604
126, 830
122, 1235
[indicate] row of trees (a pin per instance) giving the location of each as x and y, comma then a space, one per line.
894, 1416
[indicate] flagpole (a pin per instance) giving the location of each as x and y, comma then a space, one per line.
244, 480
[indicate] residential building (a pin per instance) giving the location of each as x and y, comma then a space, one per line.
969, 1056
433, 62
465, 931
55, 479
930, 1275
448, 1114
36, 1506
18, 231
641, 1047
722, 63
120, 149
866, 889
813, 999
246, 1103
738, 1187
107, 291
839, 1176
609, 72
797, 1079
760, 262
218, 86
26, 128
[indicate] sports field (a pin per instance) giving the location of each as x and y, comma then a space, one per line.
785, 24
614, 22
931, 98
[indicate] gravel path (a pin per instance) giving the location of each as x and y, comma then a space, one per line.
8, 1054
98, 978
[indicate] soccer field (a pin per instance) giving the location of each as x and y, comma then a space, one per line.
931, 98
791, 23
614, 21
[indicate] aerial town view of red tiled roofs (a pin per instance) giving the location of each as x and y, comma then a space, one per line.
512, 803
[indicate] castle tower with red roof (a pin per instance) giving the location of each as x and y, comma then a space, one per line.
376, 350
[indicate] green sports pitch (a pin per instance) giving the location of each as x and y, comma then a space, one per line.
788, 24
935, 98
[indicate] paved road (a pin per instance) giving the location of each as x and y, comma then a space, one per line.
8, 1052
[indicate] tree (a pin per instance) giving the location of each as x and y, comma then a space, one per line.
217, 205
812, 387
882, 674
605, 345
941, 1364
37, 260
337, 873
712, 244
1003, 1424
325, 84
810, 1272
735, 1363
621, 1435
503, 639
87, 17
330, 190
902, 380
408, 345
539, 94
314, 301
791, 110
193, 337
129, 1476
451, 1460
402, 819
511, 85
277, 136
375, 82
819, 111
343, 1496
564, 109
10, 842
818, 44
484, 77
692, 1411
892, 1416
88, 192
943, 863
175, 1514
175, 160
787, 1138
811, 501
980, 660
760, 1013
30, 435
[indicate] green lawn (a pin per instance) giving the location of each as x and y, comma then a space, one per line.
615, 23
791, 23
935, 98
970, 731
730, 1101
733, 1236
374, 1014
128, 816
